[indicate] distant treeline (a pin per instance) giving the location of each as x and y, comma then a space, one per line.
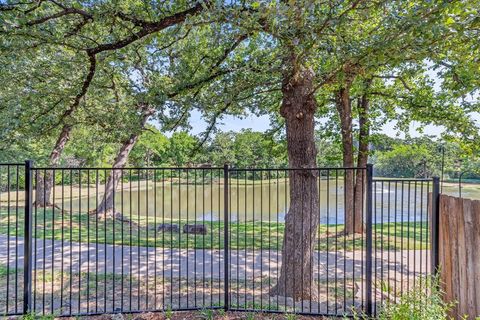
392, 157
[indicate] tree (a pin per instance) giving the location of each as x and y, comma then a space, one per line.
237, 58
180, 149
106, 205
151, 148
221, 149
300, 81
257, 149
90, 32
404, 161
399, 57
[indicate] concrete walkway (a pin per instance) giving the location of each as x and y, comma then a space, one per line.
199, 263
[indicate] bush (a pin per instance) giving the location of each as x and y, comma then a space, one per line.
417, 304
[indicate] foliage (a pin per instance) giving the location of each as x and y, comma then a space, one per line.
181, 147
80, 72
290, 316
245, 149
416, 305
151, 148
329, 151
392, 157
422, 157
226, 59
33, 316
207, 314
168, 313
404, 161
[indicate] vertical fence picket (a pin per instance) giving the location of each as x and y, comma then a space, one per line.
27, 266
368, 243
434, 225
226, 272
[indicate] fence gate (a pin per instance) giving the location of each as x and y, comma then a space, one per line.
196, 238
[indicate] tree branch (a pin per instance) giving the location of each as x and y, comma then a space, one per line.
402, 80
147, 29
83, 91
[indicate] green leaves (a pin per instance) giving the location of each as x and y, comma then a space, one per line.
230, 58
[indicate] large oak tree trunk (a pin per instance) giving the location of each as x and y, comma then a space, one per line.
45, 179
353, 215
301, 222
106, 206
362, 159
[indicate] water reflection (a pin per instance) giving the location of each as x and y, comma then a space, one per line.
266, 200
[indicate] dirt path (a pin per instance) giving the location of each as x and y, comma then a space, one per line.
244, 264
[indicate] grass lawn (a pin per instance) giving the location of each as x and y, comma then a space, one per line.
243, 235
469, 190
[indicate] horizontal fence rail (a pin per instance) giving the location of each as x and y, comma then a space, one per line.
322, 241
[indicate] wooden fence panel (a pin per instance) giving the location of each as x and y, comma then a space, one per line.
459, 252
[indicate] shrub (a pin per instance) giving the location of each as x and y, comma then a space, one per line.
416, 304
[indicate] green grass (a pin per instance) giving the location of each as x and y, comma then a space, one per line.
4, 271
243, 235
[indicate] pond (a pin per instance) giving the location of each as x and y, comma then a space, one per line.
265, 200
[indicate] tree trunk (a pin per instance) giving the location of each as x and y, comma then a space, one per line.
105, 208
45, 180
363, 150
353, 217
301, 222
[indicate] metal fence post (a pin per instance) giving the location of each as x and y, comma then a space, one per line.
226, 253
27, 254
369, 243
434, 245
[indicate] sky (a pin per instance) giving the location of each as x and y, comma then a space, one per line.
231, 123
262, 123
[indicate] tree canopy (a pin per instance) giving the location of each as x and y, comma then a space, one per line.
79, 75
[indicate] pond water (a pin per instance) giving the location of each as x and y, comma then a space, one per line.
263, 200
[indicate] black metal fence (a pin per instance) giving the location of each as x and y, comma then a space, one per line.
402, 236
148, 239
257, 216
12, 201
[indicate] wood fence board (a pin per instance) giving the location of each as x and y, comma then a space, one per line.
452, 216
461, 206
476, 255
445, 259
469, 264
459, 254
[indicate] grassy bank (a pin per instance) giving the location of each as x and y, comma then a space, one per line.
51, 224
